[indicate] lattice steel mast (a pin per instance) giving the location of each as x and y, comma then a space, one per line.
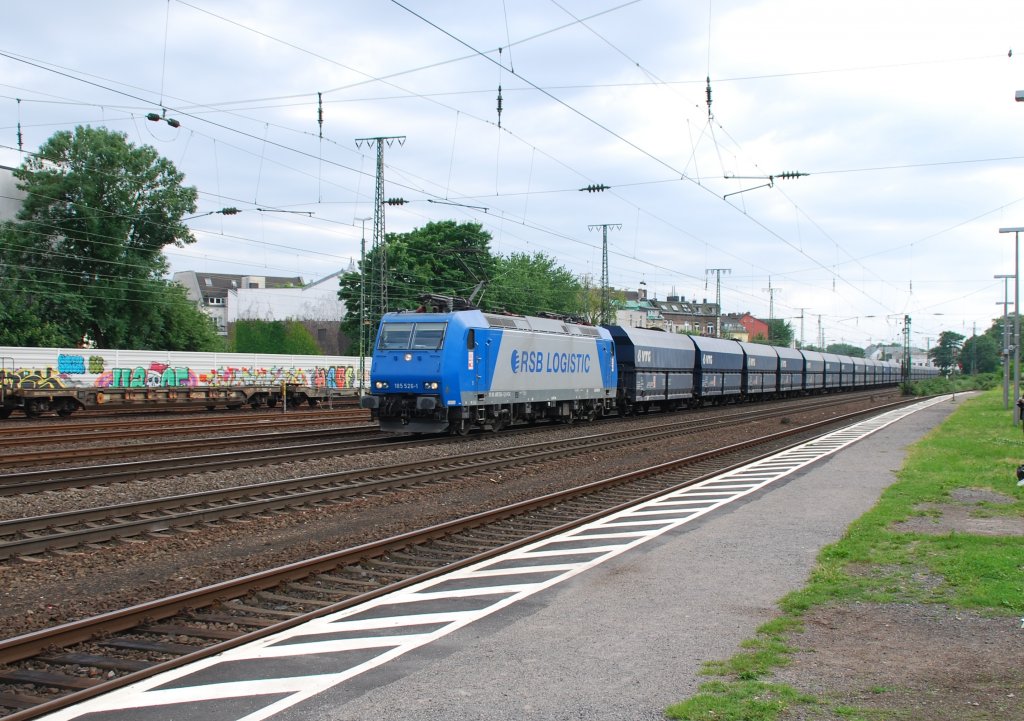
378, 295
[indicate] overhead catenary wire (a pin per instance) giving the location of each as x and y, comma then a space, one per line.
527, 195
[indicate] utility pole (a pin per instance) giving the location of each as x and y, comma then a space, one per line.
1006, 338
718, 292
771, 305
1016, 307
605, 297
821, 334
379, 273
802, 326
906, 349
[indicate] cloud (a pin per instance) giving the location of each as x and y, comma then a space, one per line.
897, 112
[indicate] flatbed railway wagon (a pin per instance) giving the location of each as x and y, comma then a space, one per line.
35, 402
36, 381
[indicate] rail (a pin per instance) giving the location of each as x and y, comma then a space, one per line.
274, 600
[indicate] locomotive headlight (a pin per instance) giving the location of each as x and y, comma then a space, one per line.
380, 385
430, 385
408, 357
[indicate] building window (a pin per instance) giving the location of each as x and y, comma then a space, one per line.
711, 329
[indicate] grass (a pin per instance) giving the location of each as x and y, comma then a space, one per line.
954, 384
976, 447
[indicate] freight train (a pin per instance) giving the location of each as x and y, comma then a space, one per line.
441, 370
36, 381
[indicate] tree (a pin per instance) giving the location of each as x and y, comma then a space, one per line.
980, 354
90, 238
444, 258
531, 284
179, 325
780, 333
34, 311
845, 349
947, 353
449, 258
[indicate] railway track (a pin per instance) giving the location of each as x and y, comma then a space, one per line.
134, 429
50, 669
326, 442
77, 476
28, 536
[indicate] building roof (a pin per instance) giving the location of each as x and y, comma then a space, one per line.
218, 285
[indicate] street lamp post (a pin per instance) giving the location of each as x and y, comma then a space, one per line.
1016, 314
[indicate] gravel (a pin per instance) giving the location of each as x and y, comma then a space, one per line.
65, 586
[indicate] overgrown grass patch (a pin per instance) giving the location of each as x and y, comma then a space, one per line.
739, 701
977, 447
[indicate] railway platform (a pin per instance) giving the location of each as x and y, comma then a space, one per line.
610, 621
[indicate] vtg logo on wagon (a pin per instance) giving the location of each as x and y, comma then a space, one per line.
539, 362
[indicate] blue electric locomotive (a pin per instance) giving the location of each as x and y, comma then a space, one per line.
453, 371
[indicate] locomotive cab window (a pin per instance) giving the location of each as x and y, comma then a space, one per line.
395, 336
428, 336
412, 336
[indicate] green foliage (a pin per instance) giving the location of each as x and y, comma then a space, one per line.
34, 310
740, 701
449, 258
178, 323
444, 258
86, 255
530, 284
946, 354
980, 354
289, 337
953, 384
845, 349
780, 333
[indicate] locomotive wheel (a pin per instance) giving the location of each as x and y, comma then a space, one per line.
66, 410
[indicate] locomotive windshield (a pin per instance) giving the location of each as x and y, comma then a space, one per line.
412, 336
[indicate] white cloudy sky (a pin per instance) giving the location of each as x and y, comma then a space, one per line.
902, 114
